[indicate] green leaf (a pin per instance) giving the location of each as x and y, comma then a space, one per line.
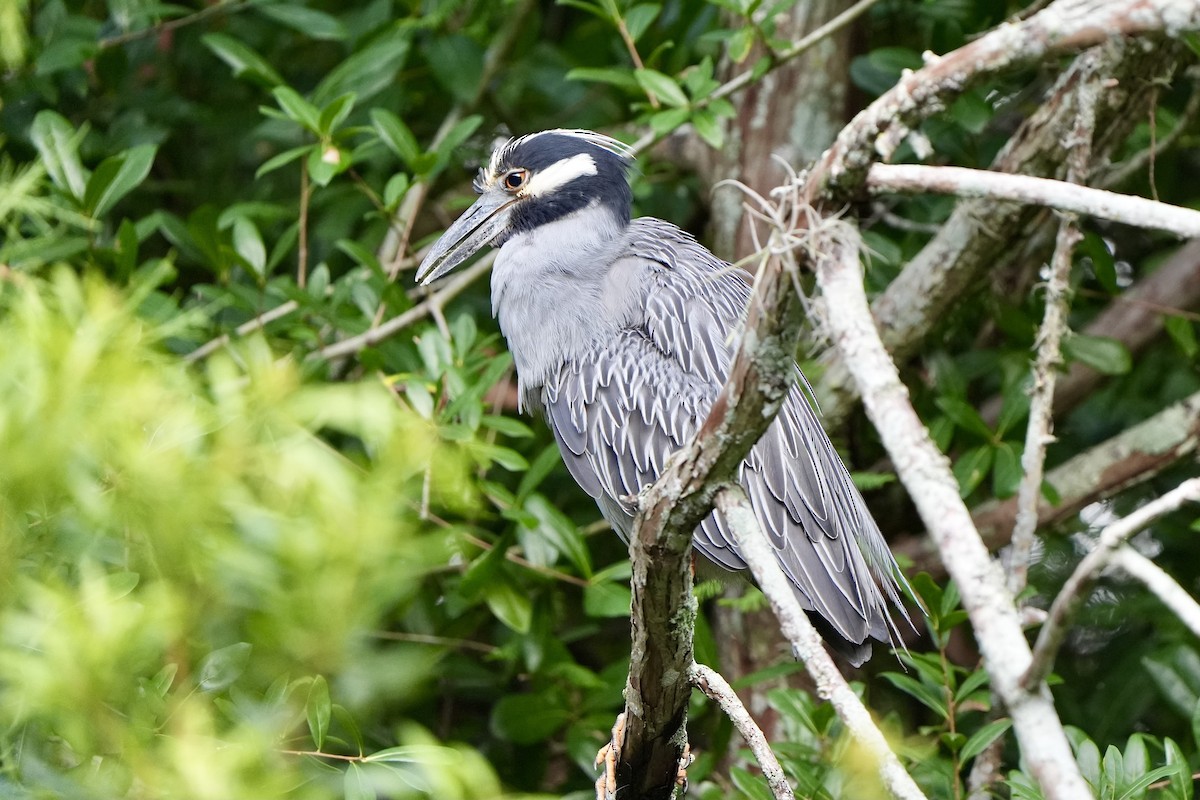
661, 86
355, 785
312, 23
324, 162
510, 606
116, 177
396, 135
370, 70
1006, 474
983, 737
740, 43
972, 467
709, 128
640, 17
931, 698
241, 59
556, 529
335, 113
1106, 356
666, 121
297, 108
1181, 783
57, 143
221, 668
282, 159
964, 416
621, 78
248, 243
318, 709
1183, 332
528, 718
1176, 673
606, 598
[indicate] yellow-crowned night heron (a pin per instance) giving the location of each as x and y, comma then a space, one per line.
622, 332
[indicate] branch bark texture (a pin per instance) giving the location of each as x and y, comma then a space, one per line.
1029, 190
926, 475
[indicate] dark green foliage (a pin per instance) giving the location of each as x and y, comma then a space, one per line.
267, 573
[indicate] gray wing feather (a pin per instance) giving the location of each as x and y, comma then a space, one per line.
619, 412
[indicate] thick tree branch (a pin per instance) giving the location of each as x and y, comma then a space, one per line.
806, 642
656, 692
967, 245
1166, 588
718, 689
1062, 26
1131, 457
1127, 209
1080, 584
926, 474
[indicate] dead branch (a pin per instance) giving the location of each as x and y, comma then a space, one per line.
718, 689
1166, 588
1131, 457
806, 642
1049, 355
1080, 584
967, 244
926, 475
1127, 209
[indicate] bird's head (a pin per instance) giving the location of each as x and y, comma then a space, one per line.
531, 181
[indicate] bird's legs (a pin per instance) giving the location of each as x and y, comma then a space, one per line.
606, 784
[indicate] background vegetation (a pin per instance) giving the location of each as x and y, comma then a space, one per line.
293, 564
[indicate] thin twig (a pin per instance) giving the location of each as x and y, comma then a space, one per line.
1166, 588
1117, 174
964, 182
806, 642
1039, 430
171, 25
718, 689
1080, 584
257, 324
302, 244
440, 296
744, 79
549, 572
425, 638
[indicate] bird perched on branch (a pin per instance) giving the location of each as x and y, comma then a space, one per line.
622, 332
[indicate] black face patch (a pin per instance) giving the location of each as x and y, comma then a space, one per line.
608, 188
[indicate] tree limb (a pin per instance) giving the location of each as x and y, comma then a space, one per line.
926, 474
966, 245
1080, 584
806, 642
718, 689
1127, 209
1131, 457
1049, 355
1166, 588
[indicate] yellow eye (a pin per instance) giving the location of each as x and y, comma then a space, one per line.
515, 179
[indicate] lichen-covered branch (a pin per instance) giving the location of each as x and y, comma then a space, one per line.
718, 689
1030, 190
926, 475
806, 642
1166, 588
1079, 584
1049, 353
978, 232
663, 607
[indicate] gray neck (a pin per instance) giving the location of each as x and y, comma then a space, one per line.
559, 289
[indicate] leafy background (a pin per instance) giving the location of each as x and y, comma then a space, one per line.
311, 560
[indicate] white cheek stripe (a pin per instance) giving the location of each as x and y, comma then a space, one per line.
559, 174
